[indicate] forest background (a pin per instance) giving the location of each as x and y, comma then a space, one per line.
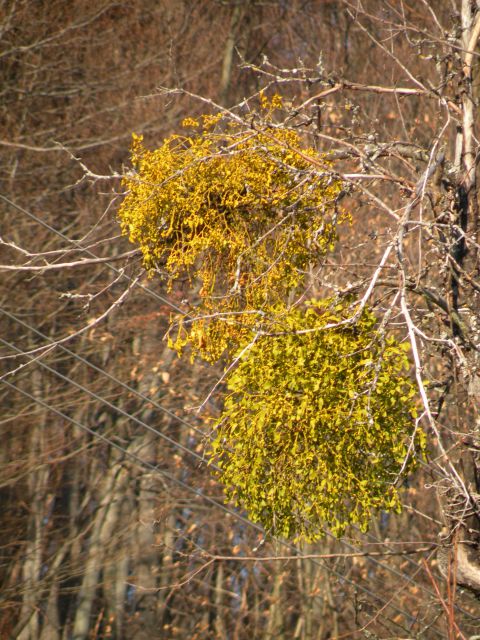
112, 524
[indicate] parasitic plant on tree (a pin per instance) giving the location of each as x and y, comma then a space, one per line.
318, 421
243, 212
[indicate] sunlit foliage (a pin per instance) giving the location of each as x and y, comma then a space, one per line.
317, 423
243, 212
318, 419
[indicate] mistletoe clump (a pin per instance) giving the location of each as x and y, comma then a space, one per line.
318, 419
244, 212
317, 424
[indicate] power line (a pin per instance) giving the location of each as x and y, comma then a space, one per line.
156, 295
122, 412
140, 422
171, 441
244, 520
134, 457
200, 494
114, 379
139, 394
155, 431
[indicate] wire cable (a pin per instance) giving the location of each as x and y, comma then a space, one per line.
171, 441
114, 379
156, 295
139, 394
200, 494
110, 405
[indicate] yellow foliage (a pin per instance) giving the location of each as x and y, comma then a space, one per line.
318, 420
318, 423
245, 212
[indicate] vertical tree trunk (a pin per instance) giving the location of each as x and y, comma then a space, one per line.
51, 624
464, 559
274, 628
219, 597
106, 520
147, 556
229, 50
36, 498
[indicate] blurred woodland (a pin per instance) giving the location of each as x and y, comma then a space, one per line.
112, 525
